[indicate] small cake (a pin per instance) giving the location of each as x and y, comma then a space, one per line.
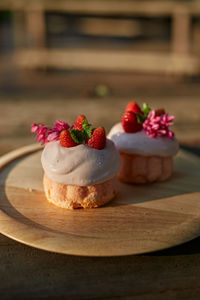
146, 144
80, 164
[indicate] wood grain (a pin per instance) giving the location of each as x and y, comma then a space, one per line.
141, 219
107, 60
114, 7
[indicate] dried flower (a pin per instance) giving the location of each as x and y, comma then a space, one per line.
156, 126
54, 132
41, 132
60, 126
46, 134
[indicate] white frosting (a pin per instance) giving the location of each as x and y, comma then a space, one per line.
142, 144
80, 165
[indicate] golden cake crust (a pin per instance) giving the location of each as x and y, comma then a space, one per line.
144, 169
72, 196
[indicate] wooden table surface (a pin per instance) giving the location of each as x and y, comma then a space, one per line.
28, 273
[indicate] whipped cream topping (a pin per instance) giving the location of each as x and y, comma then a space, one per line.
142, 144
80, 165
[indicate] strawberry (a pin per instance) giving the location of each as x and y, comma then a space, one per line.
79, 121
97, 139
134, 107
130, 123
159, 112
66, 139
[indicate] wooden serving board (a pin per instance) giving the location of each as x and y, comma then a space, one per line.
142, 218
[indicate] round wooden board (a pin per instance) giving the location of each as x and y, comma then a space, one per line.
140, 219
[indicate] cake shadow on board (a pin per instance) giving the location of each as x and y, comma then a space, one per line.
5, 203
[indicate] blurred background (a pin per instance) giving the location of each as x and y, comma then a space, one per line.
65, 57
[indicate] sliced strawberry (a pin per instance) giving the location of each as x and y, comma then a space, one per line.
79, 121
134, 107
159, 112
130, 123
66, 139
97, 139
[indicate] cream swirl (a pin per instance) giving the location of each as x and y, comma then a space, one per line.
142, 144
80, 165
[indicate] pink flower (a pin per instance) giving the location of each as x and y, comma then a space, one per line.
54, 132
53, 136
46, 134
41, 132
60, 126
155, 126
34, 127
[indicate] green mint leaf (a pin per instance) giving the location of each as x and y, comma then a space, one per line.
140, 118
77, 135
146, 109
87, 130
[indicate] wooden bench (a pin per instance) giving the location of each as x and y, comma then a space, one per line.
183, 57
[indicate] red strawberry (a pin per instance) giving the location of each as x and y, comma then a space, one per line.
79, 121
130, 123
134, 107
160, 111
97, 139
66, 139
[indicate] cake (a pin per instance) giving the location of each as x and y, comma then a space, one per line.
80, 164
145, 143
